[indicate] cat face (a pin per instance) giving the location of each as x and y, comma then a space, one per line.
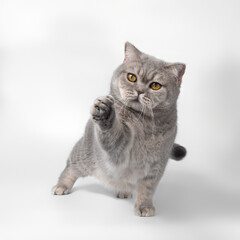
143, 81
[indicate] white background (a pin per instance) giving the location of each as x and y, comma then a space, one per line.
56, 57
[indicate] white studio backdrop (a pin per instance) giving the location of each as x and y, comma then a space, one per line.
56, 57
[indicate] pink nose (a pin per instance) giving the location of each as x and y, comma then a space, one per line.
139, 92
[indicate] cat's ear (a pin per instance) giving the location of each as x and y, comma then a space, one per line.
130, 52
178, 69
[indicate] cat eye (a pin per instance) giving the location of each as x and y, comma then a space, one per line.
155, 86
131, 77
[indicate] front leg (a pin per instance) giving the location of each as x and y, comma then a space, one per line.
112, 134
145, 190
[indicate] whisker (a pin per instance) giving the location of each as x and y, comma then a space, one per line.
124, 104
141, 113
153, 121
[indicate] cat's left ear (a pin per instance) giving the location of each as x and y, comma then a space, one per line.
178, 70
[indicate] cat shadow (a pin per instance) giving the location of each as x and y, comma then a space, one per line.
189, 196
184, 196
96, 188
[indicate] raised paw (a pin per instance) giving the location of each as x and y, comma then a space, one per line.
123, 195
60, 190
144, 211
102, 110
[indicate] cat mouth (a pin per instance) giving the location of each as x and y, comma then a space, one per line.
136, 100
141, 101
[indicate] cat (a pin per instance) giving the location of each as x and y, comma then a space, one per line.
130, 135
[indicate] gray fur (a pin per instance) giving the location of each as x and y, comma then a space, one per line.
130, 136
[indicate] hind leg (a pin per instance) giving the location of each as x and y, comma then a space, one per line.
65, 182
123, 190
124, 194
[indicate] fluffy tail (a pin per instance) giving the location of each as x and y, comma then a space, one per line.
178, 152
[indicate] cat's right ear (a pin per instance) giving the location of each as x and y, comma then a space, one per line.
178, 69
130, 52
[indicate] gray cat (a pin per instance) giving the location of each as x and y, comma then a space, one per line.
131, 132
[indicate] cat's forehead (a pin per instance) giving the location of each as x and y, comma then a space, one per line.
147, 69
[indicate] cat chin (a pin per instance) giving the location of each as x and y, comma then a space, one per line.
136, 105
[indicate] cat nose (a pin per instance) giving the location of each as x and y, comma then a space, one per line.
139, 92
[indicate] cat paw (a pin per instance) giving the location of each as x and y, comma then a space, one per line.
102, 110
123, 195
144, 211
60, 190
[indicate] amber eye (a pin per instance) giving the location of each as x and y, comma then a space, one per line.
155, 86
131, 77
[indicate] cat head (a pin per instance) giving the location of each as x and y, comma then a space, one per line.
143, 81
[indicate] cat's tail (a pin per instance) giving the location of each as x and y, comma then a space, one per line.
178, 152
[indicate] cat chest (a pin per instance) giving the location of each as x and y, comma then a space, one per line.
135, 161
146, 146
